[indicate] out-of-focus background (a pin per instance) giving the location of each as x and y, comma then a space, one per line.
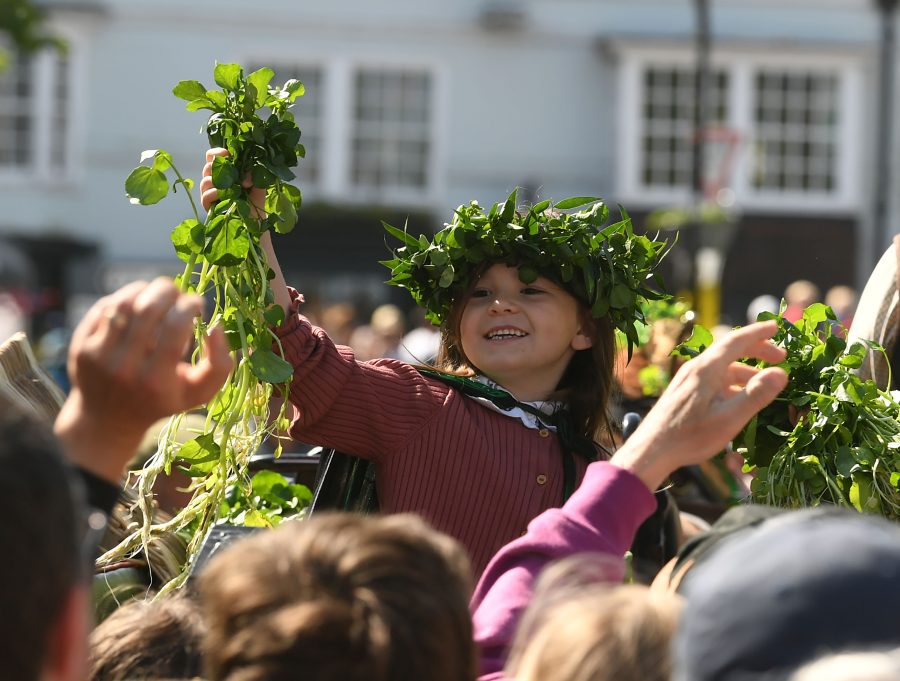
785, 173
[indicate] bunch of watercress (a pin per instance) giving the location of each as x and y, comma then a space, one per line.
224, 262
830, 437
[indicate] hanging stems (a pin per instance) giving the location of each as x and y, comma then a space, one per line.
233, 276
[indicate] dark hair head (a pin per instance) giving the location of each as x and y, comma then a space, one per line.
41, 536
340, 597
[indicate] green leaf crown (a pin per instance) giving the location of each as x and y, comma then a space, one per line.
609, 268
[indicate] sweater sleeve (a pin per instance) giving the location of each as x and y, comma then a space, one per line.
361, 408
602, 516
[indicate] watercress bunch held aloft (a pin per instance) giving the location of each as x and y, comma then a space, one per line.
224, 261
831, 437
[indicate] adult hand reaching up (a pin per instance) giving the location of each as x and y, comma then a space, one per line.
127, 367
707, 403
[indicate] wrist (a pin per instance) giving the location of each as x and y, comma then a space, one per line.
644, 462
99, 445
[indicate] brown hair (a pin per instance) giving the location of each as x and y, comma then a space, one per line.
587, 383
600, 633
148, 640
340, 597
41, 536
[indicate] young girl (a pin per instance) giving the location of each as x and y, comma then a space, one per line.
527, 303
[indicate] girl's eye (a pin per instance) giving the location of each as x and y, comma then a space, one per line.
480, 293
531, 291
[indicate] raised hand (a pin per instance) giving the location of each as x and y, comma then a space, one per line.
209, 194
707, 403
257, 198
127, 367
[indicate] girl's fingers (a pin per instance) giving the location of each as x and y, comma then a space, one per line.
215, 151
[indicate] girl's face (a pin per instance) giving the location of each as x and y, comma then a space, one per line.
521, 335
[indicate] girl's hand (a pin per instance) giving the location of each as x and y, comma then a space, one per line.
127, 366
257, 198
707, 403
209, 194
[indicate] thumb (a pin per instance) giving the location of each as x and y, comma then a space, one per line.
203, 380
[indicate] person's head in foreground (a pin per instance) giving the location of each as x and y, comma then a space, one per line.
802, 585
340, 597
44, 593
148, 640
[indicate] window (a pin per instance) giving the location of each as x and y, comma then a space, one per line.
391, 129
782, 130
307, 112
796, 122
668, 96
35, 115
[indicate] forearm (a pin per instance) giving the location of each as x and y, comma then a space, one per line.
602, 517
93, 444
278, 284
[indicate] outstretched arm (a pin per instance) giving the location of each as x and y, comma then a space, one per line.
127, 367
708, 402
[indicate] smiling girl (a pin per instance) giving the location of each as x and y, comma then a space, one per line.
527, 303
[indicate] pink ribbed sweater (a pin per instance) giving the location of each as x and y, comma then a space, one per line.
473, 473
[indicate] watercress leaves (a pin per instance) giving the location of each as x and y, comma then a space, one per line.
609, 268
831, 437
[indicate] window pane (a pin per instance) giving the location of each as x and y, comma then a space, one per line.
796, 131
669, 123
391, 129
16, 127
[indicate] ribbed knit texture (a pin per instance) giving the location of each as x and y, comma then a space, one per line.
471, 472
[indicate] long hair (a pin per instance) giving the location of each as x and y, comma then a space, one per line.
587, 384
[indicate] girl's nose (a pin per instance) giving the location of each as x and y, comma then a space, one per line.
502, 304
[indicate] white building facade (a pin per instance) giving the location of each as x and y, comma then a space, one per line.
420, 105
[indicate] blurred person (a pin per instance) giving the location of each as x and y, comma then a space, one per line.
776, 597
799, 295
159, 639
381, 336
339, 320
422, 343
340, 597
760, 304
842, 299
43, 579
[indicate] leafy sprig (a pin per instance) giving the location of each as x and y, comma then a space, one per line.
830, 437
609, 268
251, 119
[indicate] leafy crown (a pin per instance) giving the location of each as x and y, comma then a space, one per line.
612, 270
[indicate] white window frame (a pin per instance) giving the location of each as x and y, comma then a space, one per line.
41, 172
741, 66
337, 120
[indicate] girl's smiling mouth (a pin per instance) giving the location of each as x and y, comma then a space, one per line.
504, 333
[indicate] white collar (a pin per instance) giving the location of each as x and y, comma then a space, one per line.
548, 407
